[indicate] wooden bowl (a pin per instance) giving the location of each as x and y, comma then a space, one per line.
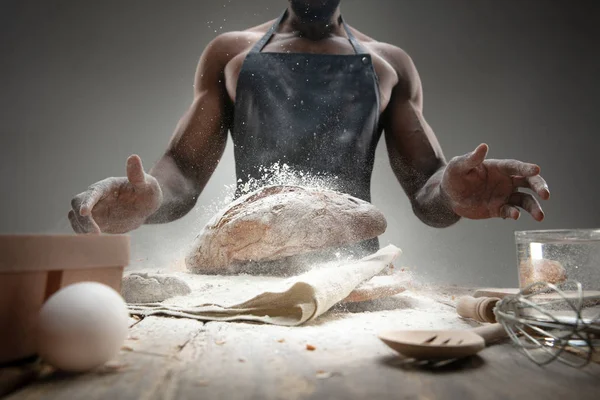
33, 267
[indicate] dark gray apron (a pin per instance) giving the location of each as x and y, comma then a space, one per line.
317, 113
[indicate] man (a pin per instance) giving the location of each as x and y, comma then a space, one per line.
311, 92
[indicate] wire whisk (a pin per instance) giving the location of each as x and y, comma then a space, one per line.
549, 323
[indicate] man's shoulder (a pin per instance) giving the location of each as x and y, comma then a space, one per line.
234, 42
397, 57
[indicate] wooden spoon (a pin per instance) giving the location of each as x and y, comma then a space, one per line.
442, 345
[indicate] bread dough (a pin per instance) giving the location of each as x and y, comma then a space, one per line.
152, 288
541, 270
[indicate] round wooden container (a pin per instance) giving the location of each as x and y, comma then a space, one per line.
33, 267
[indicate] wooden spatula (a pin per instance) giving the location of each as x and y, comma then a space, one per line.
442, 345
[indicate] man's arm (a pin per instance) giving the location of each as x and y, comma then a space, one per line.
414, 151
199, 139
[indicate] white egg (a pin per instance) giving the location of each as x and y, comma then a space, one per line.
82, 326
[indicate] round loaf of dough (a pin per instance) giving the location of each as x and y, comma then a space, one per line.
275, 222
541, 270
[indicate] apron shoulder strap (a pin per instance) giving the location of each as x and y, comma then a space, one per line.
258, 46
358, 48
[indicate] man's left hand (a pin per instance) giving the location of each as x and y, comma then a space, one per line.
477, 188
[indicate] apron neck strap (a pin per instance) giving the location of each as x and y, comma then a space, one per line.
258, 46
358, 48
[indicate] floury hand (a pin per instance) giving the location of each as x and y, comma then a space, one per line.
117, 205
478, 188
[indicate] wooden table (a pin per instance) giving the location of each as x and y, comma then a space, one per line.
167, 358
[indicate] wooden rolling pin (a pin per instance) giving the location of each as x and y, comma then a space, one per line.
480, 309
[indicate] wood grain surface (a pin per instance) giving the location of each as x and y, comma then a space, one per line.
166, 358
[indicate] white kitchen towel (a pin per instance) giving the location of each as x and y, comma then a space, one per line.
301, 299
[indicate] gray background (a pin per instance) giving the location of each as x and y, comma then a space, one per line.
84, 84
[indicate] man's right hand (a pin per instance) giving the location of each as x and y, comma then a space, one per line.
117, 205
